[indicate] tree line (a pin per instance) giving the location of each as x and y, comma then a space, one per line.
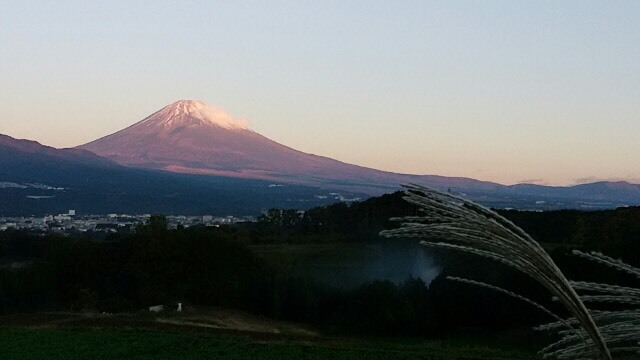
216, 267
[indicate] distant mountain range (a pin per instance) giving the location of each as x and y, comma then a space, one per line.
192, 158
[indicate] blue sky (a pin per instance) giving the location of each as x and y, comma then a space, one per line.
508, 91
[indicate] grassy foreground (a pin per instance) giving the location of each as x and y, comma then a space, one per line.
96, 344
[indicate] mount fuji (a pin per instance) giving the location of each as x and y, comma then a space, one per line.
189, 136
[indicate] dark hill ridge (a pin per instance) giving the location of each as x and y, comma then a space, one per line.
8, 144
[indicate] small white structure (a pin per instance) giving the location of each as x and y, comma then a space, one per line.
179, 307
62, 217
156, 308
72, 213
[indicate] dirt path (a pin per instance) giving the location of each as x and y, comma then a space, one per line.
216, 319
224, 319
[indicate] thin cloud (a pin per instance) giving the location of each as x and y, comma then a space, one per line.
533, 181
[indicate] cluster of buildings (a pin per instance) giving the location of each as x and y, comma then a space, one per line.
112, 223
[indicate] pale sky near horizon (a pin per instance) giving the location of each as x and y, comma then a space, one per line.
507, 91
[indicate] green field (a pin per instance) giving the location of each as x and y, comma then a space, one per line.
96, 344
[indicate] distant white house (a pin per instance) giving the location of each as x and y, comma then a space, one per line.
62, 217
156, 308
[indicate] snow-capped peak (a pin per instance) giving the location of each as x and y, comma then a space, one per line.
193, 112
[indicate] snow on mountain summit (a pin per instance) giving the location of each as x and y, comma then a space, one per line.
190, 113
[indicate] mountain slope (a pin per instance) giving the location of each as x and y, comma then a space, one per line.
191, 137
37, 180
